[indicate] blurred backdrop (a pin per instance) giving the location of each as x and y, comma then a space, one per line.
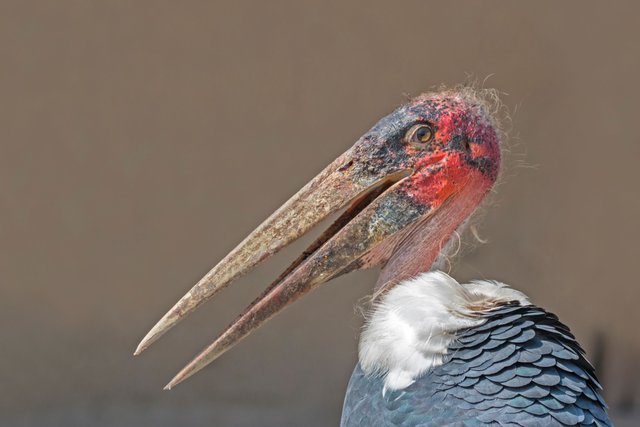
140, 141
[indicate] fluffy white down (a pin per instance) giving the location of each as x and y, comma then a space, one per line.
409, 330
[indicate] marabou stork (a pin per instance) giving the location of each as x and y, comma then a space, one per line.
433, 352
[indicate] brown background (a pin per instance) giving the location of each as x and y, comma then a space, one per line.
140, 141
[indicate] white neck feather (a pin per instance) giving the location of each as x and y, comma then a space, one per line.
409, 331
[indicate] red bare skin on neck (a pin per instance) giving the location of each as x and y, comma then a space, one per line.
452, 179
416, 250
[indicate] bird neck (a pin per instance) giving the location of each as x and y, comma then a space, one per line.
426, 245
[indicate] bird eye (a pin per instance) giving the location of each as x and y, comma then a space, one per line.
420, 135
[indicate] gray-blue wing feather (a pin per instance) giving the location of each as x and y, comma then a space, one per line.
522, 367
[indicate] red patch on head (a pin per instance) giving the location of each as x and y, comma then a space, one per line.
446, 168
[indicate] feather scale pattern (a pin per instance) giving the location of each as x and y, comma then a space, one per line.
521, 367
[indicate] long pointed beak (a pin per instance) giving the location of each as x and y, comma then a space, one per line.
378, 208
327, 193
327, 258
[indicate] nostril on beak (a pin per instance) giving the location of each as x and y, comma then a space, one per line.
346, 166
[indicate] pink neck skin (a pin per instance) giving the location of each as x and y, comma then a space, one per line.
419, 247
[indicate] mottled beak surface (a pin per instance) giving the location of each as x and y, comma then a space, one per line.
402, 176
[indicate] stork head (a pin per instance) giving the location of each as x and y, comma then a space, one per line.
405, 186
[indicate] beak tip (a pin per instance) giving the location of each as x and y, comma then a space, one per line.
180, 310
139, 349
181, 376
158, 330
149, 339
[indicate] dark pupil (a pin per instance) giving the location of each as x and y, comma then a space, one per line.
422, 134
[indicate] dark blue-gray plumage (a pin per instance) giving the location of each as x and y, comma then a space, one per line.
522, 367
